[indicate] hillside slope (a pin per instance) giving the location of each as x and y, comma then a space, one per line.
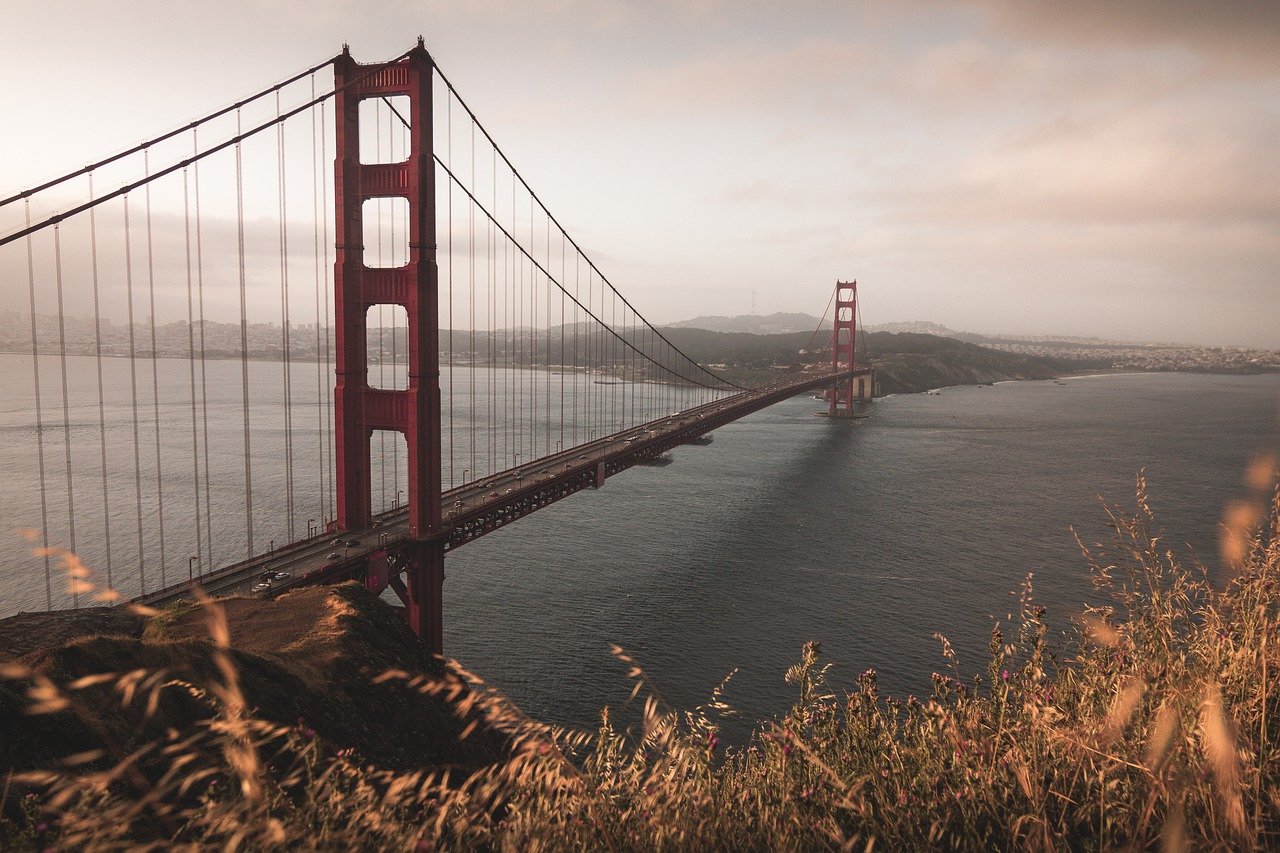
905, 362
307, 659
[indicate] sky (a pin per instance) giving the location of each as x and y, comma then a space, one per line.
1078, 168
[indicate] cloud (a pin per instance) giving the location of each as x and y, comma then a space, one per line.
1237, 37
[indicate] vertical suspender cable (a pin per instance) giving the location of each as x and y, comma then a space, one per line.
563, 296
533, 345
590, 432
315, 239
133, 393
382, 364
35, 373
286, 361
491, 250
492, 247
328, 349
66, 408
449, 154
577, 378
102, 407
244, 345
155, 369
191, 370
471, 292
395, 323
204, 377
546, 366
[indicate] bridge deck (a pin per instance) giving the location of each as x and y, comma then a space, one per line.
472, 510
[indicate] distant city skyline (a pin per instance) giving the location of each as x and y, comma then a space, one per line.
1087, 169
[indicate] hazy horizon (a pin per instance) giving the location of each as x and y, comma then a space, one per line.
1080, 169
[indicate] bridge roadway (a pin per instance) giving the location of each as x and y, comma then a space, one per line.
479, 507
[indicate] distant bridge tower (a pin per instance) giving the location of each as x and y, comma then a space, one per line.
843, 338
359, 409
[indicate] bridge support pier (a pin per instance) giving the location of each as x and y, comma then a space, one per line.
864, 387
425, 598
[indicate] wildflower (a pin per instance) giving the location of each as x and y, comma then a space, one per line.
1004, 675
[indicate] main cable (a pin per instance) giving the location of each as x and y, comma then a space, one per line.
143, 146
534, 197
543, 270
234, 141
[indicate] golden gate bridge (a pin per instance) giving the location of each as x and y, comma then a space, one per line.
458, 348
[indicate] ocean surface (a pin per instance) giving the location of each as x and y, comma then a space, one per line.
867, 535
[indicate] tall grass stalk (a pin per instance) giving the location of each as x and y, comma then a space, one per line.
1149, 727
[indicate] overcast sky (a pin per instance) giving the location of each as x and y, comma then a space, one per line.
1085, 167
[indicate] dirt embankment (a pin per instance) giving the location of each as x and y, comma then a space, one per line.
307, 659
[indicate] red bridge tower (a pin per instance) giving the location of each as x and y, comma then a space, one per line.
843, 337
359, 409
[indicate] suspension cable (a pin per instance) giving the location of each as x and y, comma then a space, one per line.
462, 102
286, 361
328, 351
133, 393
315, 238
593, 316
471, 256
73, 582
191, 371
155, 374
164, 136
204, 377
535, 198
240, 137
35, 373
102, 413
244, 347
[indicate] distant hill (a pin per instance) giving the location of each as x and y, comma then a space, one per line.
782, 322
753, 324
917, 327
905, 362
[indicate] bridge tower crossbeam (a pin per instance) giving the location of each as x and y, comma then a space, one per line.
360, 409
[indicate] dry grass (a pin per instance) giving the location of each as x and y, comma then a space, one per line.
1153, 727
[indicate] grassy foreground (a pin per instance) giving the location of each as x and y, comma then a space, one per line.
1154, 726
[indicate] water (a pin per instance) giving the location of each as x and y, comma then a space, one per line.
197, 515
867, 535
